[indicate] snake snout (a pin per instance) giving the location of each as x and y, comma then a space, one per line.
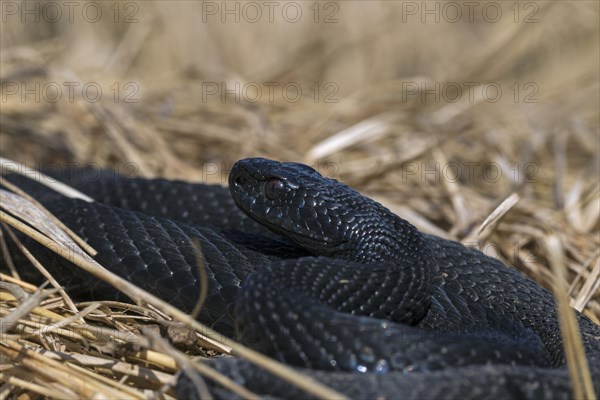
242, 182
237, 176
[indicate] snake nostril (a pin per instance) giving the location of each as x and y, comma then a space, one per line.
240, 180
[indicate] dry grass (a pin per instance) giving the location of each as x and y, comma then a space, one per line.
507, 176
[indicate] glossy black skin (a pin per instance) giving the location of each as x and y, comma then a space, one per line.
423, 316
462, 291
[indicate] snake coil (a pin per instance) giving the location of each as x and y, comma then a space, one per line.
324, 279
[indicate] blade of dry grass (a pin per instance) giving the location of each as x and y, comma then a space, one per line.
459, 203
9, 166
574, 352
589, 288
6, 254
485, 229
369, 129
89, 249
201, 277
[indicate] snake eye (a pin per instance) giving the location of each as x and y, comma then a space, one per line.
274, 188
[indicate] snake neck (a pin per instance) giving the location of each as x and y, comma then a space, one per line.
376, 235
383, 237
330, 219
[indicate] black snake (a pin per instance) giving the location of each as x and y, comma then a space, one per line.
324, 279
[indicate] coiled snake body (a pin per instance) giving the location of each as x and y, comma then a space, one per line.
326, 280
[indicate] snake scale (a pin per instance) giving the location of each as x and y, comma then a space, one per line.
308, 271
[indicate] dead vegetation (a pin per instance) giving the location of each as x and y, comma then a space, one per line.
484, 132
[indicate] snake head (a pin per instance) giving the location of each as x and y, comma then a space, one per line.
322, 215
